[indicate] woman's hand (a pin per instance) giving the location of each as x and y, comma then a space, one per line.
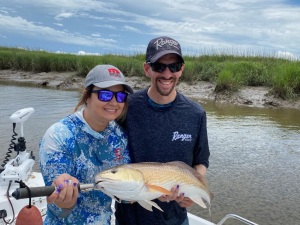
66, 191
179, 198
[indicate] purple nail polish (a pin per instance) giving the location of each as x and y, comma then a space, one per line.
177, 186
74, 184
59, 188
68, 182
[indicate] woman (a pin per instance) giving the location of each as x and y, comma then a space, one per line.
79, 146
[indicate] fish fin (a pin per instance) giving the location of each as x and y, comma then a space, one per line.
147, 204
199, 201
156, 188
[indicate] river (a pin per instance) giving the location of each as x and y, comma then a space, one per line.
255, 152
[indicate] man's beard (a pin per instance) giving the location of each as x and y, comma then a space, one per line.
163, 93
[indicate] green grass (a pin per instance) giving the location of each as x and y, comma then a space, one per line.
286, 80
228, 72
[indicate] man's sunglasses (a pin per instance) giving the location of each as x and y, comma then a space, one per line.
106, 95
160, 67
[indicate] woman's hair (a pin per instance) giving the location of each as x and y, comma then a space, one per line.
87, 92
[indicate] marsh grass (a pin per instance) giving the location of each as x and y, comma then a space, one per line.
286, 80
228, 72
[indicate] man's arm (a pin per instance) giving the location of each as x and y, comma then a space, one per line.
201, 169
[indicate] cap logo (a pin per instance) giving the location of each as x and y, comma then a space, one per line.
114, 72
161, 42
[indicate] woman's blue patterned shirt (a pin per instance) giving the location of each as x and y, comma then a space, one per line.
72, 146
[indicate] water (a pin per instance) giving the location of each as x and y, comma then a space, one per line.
254, 164
255, 153
50, 105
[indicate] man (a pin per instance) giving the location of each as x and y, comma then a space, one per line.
163, 126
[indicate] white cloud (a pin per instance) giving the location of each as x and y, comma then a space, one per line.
286, 55
106, 26
196, 24
86, 53
58, 24
22, 26
64, 15
96, 35
130, 28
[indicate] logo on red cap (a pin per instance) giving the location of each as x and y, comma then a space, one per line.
114, 72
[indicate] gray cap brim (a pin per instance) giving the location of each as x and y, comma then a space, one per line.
107, 84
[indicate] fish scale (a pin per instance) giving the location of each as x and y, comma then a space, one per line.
153, 175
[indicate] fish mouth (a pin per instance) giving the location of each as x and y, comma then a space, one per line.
103, 190
97, 182
103, 180
97, 185
108, 180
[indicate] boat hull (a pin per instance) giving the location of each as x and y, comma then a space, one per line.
13, 206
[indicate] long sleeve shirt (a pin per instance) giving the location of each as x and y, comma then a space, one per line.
72, 146
163, 133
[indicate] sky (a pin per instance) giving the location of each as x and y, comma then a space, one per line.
239, 27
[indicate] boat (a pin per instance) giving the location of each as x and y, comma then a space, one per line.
22, 188
18, 173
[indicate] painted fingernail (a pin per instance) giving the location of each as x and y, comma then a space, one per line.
74, 184
182, 194
68, 182
177, 186
59, 188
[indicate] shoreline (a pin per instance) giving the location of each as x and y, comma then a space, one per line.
247, 96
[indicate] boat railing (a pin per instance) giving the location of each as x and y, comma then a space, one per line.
233, 216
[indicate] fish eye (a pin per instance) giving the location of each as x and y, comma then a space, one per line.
114, 171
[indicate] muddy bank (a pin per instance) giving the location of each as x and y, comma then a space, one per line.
250, 96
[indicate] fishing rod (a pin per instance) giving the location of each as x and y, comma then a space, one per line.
31, 192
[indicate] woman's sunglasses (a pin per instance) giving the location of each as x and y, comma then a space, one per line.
106, 95
160, 67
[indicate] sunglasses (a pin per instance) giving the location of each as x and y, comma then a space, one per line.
106, 95
160, 67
